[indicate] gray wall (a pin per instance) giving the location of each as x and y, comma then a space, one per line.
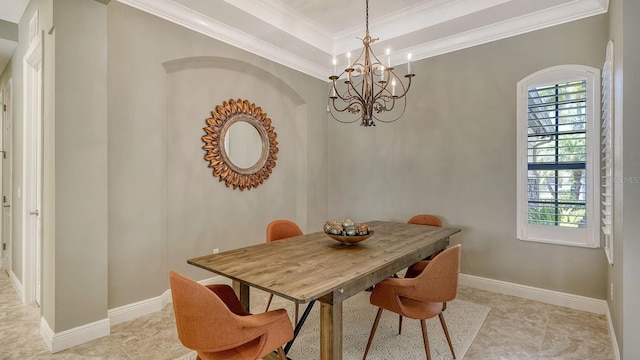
80, 251
165, 206
624, 30
631, 211
74, 231
454, 154
630, 180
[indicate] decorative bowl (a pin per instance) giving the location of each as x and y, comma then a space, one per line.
351, 240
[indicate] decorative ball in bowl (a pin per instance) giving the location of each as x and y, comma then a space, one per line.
347, 231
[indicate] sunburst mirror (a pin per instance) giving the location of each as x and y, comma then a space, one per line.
240, 144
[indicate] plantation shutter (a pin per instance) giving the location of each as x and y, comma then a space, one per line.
607, 150
557, 155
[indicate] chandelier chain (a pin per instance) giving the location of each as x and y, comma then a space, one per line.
367, 18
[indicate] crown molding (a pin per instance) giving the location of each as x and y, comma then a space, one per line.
422, 16
183, 16
557, 15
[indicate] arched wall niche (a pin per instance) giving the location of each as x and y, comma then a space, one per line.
200, 209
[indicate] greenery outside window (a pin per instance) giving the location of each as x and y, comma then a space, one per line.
558, 156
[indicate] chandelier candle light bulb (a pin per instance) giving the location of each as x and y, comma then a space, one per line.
360, 94
388, 57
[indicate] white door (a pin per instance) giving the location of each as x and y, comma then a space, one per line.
32, 175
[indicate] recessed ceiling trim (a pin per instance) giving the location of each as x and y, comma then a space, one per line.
411, 19
286, 19
531, 22
195, 21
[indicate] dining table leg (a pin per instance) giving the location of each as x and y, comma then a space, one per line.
330, 331
242, 290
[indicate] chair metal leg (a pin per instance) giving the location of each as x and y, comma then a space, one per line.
281, 354
298, 327
446, 333
373, 332
425, 337
400, 325
269, 302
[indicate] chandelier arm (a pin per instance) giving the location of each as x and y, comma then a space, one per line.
349, 98
383, 100
404, 107
351, 105
356, 61
337, 95
383, 87
358, 96
404, 90
331, 109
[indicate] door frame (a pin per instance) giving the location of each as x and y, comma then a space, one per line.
6, 171
32, 171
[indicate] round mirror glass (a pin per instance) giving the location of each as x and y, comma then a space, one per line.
243, 144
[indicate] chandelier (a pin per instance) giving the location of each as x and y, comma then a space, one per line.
370, 88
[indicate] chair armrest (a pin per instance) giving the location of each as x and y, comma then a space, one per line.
228, 296
270, 321
417, 268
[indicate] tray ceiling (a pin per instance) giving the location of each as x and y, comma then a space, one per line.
305, 35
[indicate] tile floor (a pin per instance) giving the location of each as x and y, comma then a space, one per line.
515, 329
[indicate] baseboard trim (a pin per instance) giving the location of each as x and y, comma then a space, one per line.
79, 335
577, 302
73, 337
612, 334
141, 308
17, 285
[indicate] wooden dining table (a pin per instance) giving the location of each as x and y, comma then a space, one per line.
314, 267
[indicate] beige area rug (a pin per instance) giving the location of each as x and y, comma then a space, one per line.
463, 318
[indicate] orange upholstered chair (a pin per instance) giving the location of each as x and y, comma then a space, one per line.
279, 230
425, 219
211, 321
421, 297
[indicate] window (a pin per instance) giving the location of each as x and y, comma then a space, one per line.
558, 156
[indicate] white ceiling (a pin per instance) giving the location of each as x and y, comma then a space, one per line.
12, 10
305, 34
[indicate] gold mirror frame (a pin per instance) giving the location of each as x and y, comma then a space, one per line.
225, 115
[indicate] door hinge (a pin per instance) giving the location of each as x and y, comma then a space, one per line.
4, 246
4, 198
4, 107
